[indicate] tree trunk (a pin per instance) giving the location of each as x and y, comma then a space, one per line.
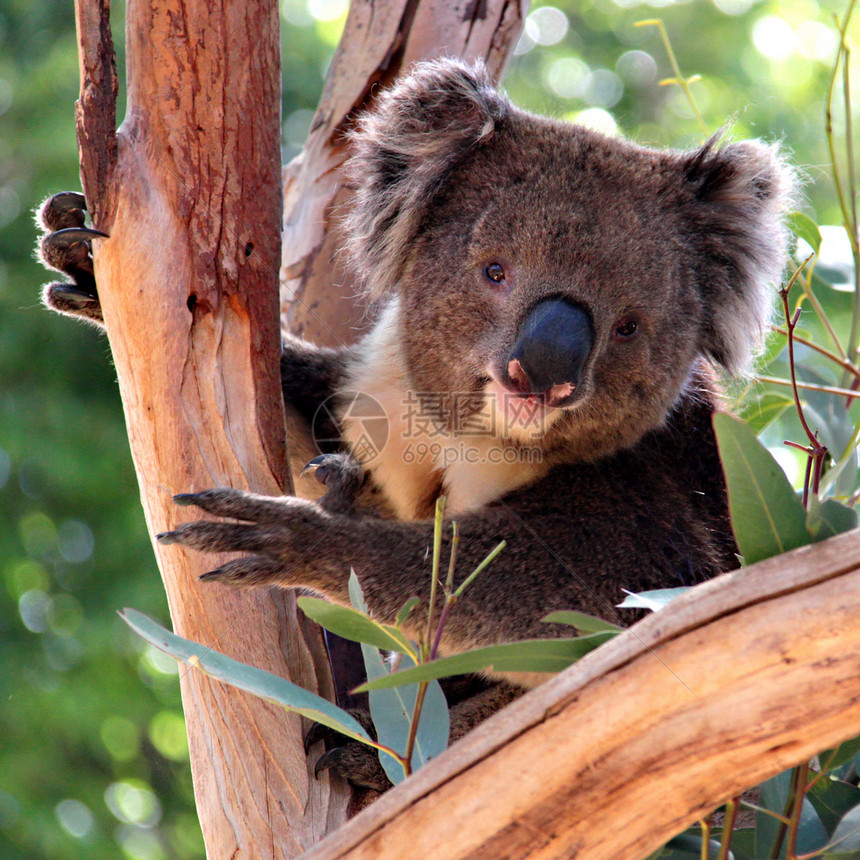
739, 679
189, 191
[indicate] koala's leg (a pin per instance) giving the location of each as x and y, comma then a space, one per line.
66, 247
359, 764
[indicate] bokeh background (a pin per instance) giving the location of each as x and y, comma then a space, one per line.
93, 755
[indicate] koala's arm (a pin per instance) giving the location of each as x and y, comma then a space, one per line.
574, 540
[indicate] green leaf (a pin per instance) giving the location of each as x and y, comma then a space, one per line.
761, 411
652, 600
582, 622
406, 610
355, 625
689, 847
832, 799
530, 655
805, 228
811, 834
392, 710
845, 752
249, 678
828, 518
846, 837
767, 516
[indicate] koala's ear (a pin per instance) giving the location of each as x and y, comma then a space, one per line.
402, 150
737, 197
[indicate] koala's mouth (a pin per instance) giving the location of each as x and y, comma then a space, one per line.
515, 413
556, 396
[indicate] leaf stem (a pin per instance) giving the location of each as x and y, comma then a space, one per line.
817, 452
490, 558
705, 824
728, 828
434, 574
679, 79
799, 794
413, 726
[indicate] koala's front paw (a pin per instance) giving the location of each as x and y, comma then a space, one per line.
67, 247
342, 477
284, 534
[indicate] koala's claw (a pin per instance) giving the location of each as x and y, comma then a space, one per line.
66, 209
355, 762
316, 733
237, 504
245, 572
280, 532
67, 247
342, 477
330, 759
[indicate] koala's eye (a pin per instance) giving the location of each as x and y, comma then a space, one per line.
495, 273
626, 330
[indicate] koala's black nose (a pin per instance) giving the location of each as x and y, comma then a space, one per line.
552, 347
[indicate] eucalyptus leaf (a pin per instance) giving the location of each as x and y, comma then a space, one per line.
653, 600
832, 799
828, 517
406, 610
767, 516
761, 411
844, 753
530, 655
582, 622
689, 847
846, 837
392, 709
805, 228
249, 678
356, 595
352, 624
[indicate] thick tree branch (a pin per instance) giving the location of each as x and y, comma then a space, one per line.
741, 678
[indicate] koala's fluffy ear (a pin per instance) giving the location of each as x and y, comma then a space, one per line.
402, 149
737, 197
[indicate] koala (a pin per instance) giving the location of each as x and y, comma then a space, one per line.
553, 306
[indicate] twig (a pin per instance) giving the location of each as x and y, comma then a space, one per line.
728, 828
809, 386
842, 362
799, 795
413, 727
679, 79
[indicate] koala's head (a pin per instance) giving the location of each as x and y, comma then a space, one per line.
542, 262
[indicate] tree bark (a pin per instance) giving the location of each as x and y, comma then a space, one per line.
189, 191
739, 679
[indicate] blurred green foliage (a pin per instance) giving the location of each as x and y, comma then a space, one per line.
93, 758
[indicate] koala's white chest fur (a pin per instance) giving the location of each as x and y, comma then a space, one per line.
420, 459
